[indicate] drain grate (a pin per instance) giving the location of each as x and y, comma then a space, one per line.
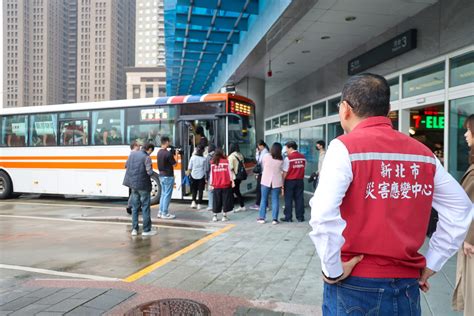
170, 307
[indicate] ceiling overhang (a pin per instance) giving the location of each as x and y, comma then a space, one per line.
199, 37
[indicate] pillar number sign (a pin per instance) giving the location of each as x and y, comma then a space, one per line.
398, 45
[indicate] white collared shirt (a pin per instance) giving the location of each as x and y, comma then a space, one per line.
455, 212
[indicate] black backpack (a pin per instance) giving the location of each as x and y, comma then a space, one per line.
241, 172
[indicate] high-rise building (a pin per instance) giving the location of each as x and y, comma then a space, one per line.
105, 46
66, 51
34, 53
148, 77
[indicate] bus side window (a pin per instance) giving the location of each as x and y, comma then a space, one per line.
74, 133
14, 131
108, 127
43, 129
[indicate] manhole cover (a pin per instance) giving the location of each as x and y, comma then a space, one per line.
170, 307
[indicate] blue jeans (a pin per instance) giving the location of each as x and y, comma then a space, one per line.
143, 197
166, 191
275, 201
210, 197
365, 296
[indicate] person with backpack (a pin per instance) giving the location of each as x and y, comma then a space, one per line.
262, 150
239, 174
221, 183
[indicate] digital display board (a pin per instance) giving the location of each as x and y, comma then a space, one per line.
240, 108
153, 115
429, 119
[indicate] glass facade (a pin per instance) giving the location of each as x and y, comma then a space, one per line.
305, 114
293, 117
319, 110
334, 130
425, 80
284, 120
462, 70
425, 122
332, 106
394, 89
459, 110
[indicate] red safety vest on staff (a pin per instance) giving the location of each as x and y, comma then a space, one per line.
297, 163
387, 206
220, 176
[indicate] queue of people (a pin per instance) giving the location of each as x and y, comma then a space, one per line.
370, 208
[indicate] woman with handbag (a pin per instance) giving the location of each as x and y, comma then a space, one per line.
262, 150
236, 159
463, 297
272, 183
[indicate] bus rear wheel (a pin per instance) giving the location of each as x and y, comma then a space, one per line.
6, 187
155, 190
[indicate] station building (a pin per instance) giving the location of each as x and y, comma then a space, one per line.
293, 57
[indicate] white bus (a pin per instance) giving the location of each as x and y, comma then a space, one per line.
81, 149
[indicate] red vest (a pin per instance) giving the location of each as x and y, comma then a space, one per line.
220, 175
387, 206
297, 165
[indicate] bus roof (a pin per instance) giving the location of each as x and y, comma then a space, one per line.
125, 103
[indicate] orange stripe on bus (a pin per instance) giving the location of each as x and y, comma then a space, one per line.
71, 165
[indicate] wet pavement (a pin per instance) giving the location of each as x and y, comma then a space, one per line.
76, 257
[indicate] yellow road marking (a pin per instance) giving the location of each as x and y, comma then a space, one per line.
162, 262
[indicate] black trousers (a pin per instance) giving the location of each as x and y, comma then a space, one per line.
294, 192
259, 189
197, 186
237, 193
223, 200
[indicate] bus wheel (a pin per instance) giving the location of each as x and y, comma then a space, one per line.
155, 190
6, 187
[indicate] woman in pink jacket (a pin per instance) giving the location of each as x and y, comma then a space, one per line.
272, 181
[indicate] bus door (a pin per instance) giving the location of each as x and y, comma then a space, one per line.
193, 132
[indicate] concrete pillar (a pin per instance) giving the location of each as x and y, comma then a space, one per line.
254, 89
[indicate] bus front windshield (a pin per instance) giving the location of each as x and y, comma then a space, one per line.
242, 132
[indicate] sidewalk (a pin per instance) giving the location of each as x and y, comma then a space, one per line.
252, 269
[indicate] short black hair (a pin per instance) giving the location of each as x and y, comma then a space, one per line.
291, 144
367, 94
211, 148
199, 130
234, 147
164, 139
148, 146
321, 143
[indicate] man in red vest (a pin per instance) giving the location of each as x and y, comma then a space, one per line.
371, 209
293, 173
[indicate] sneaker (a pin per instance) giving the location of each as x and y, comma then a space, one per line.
168, 216
209, 208
275, 222
193, 204
134, 232
224, 218
199, 206
261, 220
284, 219
254, 207
242, 209
158, 215
150, 233
214, 218
300, 220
